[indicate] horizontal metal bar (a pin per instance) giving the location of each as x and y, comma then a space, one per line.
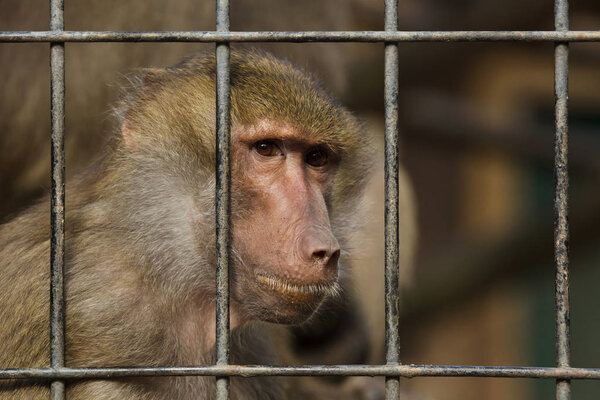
406, 371
310, 36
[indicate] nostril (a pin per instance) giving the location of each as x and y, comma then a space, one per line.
319, 255
326, 258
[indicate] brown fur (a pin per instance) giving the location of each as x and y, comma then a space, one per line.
140, 235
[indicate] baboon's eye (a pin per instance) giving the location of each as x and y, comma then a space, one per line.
316, 156
267, 148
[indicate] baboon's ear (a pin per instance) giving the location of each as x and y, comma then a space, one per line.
152, 76
148, 79
129, 133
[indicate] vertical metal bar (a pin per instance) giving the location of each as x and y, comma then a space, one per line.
392, 341
222, 199
57, 213
561, 223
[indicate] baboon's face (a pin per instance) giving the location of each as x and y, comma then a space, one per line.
285, 254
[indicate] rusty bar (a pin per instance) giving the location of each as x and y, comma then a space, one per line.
57, 207
392, 313
299, 37
223, 178
406, 371
561, 222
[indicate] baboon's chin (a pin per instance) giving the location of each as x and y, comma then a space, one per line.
293, 314
286, 301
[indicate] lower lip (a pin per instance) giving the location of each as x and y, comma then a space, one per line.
288, 288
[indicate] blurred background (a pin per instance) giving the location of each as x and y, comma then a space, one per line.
476, 124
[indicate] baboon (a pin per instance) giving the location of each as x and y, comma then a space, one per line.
349, 329
140, 254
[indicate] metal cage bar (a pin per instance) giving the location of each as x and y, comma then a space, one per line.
298, 37
392, 340
57, 207
561, 222
223, 174
406, 371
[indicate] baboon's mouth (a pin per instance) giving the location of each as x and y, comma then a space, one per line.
295, 288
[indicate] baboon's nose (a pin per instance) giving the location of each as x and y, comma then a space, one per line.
322, 250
